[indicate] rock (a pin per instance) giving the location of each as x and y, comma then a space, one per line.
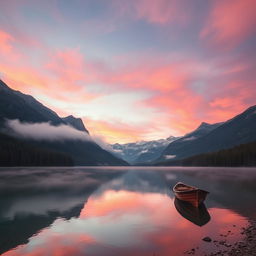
207, 239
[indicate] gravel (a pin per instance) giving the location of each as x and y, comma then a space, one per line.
245, 247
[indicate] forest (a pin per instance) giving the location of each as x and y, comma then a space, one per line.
16, 152
241, 155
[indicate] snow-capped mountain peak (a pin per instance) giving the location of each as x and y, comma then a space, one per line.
142, 151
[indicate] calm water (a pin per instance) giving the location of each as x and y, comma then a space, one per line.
120, 211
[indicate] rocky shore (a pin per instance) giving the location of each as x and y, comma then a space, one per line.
245, 247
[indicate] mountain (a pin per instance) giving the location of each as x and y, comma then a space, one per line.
202, 129
16, 105
238, 130
142, 151
179, 145
242, 155
75, 122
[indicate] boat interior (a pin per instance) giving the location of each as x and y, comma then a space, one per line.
183, 187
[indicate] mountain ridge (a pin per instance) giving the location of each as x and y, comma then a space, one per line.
237, 130
75, 122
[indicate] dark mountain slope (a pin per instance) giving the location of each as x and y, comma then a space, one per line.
180, 145
242, 155
16, 105
75, 122
83, 153
238, 130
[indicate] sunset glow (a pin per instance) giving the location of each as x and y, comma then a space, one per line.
132, 70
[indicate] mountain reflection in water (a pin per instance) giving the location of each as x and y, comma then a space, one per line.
117, 211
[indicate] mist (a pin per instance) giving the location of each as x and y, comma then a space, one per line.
46, 131
49, 132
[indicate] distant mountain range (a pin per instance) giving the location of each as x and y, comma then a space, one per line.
143, 151
15, 105
210, 138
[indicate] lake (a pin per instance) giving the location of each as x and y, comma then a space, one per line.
121, 210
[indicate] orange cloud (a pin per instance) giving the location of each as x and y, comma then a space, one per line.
153, 75
222, 102
114, 131
230, 22
182, 108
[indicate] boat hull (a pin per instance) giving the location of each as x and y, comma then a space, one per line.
193, 196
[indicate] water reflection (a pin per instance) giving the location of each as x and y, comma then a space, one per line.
32, 199
115, 211
197, 215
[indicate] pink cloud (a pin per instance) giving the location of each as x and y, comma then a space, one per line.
230, 22
181, 108
5, 38
156, 75
67, 63
8, 52
175, 102
63, 74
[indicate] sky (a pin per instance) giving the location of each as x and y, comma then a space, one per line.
132, 70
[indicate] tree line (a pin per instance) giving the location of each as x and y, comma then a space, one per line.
16, 152
241, 155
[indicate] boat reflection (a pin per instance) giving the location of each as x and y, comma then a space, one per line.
197, 215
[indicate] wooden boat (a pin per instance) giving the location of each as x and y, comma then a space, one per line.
197, 215
190, 194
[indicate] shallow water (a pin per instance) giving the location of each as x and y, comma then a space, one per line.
120, 210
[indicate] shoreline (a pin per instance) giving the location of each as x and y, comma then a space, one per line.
245, 247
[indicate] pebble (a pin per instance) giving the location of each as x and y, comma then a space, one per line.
246, 247
207, 239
